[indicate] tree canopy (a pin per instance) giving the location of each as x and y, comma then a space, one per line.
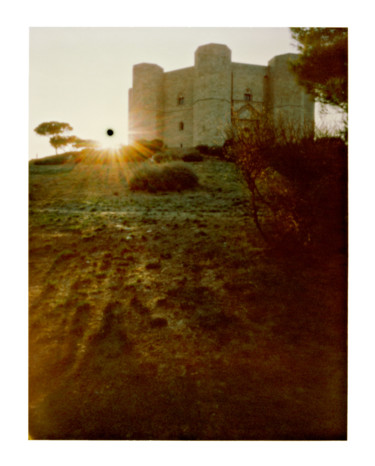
55, 129
322, 67
52, 127
85, 143
61, 141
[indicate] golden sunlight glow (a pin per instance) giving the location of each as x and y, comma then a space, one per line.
109, 140
109, 143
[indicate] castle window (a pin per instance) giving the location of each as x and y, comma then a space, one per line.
180, 100
248, 97
181, 125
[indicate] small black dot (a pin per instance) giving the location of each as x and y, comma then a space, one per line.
110, 132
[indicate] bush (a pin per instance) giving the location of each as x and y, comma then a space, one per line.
298, 185
165, 156
306, 162
203, 149
157, 144
168, 177
216, 151
148, 147
320, 181
160, 157
192, 157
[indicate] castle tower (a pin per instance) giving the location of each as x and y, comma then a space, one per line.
196, 105
288, 103
146, 103
212, 94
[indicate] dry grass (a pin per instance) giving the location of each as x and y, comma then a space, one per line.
163, 316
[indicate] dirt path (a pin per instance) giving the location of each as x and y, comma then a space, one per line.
160, 316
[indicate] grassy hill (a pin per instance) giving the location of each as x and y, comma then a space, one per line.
164, 315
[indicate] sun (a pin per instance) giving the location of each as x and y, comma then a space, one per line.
109, 140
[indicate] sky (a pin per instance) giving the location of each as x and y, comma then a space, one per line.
81, 76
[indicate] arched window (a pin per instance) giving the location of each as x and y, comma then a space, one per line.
247, 97
181, 125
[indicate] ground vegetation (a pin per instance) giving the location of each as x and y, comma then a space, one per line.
165, 315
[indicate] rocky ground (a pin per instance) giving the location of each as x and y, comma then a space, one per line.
163, 317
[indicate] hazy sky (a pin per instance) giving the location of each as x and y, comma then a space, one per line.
82, 75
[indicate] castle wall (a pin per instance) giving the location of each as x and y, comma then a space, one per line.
195, 106
248, 77
178, 85
247, 80
131, 116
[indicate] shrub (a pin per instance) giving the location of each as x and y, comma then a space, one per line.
216, 151
162, 157
203, 149
157, 144
192, 157
148, 147
298, 184
168, 177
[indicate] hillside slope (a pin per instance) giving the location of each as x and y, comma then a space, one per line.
162, 316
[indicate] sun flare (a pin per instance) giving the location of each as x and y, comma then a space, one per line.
109, 143
109, 140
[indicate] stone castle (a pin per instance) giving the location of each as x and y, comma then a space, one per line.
196, 105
